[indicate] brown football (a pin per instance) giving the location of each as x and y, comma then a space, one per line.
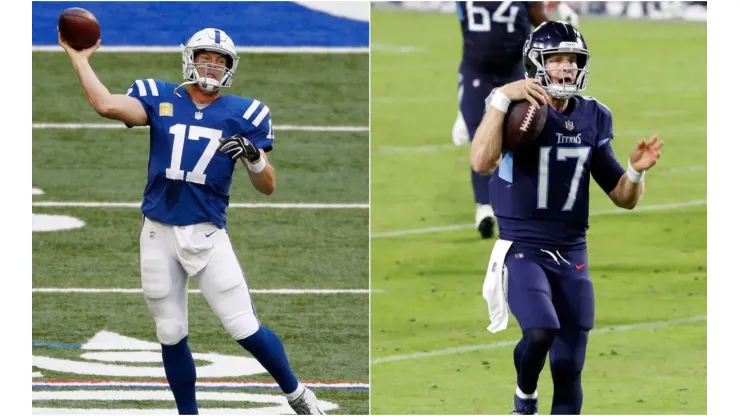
79, 28
523, 124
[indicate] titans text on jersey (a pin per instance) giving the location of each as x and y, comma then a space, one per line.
541, 194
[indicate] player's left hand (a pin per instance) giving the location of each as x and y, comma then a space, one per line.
238, 146
646, 154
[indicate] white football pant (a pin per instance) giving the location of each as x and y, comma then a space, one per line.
170, 255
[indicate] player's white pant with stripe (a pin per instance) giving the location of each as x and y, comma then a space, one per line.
170, 255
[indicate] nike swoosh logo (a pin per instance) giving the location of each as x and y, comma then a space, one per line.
214, 232
580, 266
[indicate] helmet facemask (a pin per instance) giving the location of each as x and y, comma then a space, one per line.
211, 40
208, 85
560, 91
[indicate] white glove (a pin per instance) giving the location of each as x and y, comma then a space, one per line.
460, 134
568, 14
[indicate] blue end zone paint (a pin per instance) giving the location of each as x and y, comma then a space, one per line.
57, 345
203, 388
254, 24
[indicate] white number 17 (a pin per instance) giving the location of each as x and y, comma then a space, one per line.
543, 184
195, 133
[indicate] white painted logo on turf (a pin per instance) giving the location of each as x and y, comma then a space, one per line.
132, 350
45, 222
279, 402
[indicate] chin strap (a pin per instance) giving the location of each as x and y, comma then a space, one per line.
194, 82
184, 83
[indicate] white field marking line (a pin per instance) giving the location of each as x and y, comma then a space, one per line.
389, 48
258, 291
300, 205
408, 100
434, 148
501, 344
205, 384
254, 49
286, 127
683, 169
663, 113
619, 211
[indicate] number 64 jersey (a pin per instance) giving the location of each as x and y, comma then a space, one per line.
188, 180
541, 194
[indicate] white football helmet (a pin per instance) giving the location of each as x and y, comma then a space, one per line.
214, 40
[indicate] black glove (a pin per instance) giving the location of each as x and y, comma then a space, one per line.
238, 146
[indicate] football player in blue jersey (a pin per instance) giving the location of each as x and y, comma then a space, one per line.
196, 139
539, 266
493, 34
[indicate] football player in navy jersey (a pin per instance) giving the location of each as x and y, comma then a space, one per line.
196, 139
493, 34
539, 266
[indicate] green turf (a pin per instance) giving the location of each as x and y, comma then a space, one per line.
354, 398
300, 160
325, 336
646, 266
329, 89
328, 248
339, 322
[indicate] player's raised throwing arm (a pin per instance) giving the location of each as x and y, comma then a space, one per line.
485, 151
113, 106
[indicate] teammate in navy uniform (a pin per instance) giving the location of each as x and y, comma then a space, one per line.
541, 197
196, 139
493, 36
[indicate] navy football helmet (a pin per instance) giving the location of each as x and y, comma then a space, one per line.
550, 38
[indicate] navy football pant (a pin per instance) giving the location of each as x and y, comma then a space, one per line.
473, 88
552, 297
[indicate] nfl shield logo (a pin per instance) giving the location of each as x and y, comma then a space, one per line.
569, 125
198, 115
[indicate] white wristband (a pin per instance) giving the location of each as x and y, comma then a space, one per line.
500, 101
633, 175
257, 167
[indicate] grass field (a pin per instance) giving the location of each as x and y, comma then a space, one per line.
325, 335
431, 353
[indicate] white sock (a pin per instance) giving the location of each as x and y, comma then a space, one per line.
520, 394
297, 393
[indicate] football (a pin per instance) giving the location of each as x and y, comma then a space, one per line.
79, 28
522, 125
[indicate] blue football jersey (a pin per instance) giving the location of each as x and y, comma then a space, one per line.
189, 180
494, 34
541, 194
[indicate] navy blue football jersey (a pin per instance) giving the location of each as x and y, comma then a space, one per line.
494, 34
189, 180
541, 194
